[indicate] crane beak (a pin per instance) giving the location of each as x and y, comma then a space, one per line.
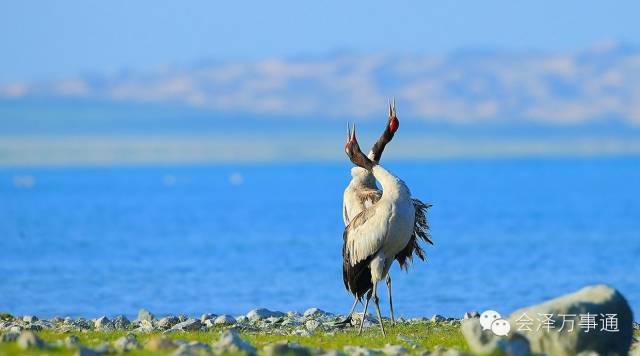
353, 133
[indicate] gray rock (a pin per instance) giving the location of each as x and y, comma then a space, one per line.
360, 351
314, 313
33, 327
471, 315
230, 342
312, 325
9, 336
71, 341
29, 319
596, 300
103, 348
183, 317
291, 321
224, 320
438, 318
205, 317
286, 348
121, 322
126, 343
262, 313
144, 326
84, 351
159, 343
200, 345
394, 350
167, 322
82, 324
103, 323
144, 314
192, 348
515, 345
301, 332
369, 320
188, 325
29, 340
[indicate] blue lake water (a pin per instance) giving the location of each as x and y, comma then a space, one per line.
226, 239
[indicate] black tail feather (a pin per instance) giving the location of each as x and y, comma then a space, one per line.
420, 232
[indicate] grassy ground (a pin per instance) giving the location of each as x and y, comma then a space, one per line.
427, 335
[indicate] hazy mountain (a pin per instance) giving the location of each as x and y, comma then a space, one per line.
466, 104
598, 83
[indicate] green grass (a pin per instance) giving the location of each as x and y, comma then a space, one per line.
425, 334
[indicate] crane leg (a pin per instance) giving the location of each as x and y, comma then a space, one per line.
347, 320
364, 314
393, 320
377, 304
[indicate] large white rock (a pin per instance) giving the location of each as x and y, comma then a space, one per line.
598, 300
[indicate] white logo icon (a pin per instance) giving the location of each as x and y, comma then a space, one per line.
500, 327
492, 320
487, 318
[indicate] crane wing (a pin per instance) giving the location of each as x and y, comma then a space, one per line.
357, 200
364, 236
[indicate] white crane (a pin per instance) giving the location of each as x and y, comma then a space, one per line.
375, 236
362, 192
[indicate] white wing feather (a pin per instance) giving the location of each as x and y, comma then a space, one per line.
366, 234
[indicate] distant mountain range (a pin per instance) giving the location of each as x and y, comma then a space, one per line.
469, 104
601, 83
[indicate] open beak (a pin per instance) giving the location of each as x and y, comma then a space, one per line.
351, 134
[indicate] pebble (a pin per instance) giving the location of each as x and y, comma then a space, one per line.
312, 325
9, 336
102, 323
230, 342
144, 314
84, 351
314, 313
159, 343
121, 322
359, 351
29, 319
224, 320
167, 322
205, 317
471, 314
126, 343
71, 341
286, 348
29, 340
394, 350
262, 313
103, 348
187, 325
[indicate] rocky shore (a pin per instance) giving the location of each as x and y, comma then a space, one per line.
315, 332
226, 333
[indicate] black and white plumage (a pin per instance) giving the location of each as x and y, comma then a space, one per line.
362, 192
375, 236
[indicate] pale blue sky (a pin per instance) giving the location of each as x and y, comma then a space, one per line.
49, 39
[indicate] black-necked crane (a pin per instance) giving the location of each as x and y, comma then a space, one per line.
362, 192
379, 233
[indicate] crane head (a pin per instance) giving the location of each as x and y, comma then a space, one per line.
352, 145
353, 151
